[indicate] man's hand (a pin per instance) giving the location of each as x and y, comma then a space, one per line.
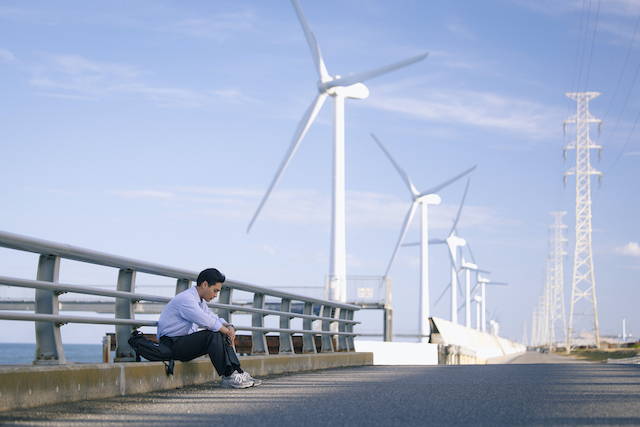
231, 334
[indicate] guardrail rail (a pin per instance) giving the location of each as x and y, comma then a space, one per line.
48, 321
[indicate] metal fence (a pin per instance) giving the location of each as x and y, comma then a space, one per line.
336, 319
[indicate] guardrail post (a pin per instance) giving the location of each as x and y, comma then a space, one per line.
124, 310
388, 323
327, 341
259, 339
182, 285
308, 340
286, 342
224, 297
350, 340
388, 310
49, 349
343, 342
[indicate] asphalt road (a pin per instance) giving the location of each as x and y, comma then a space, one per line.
530, 390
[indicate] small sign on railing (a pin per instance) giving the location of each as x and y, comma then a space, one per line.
364, 293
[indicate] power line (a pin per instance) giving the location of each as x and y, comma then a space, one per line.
584, 44
613, 54
593, 42
625, 143
624, 66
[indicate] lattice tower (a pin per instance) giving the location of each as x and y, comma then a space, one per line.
546, 300
583, 291
558, 317
534, 327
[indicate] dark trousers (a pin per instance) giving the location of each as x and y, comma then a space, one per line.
198, 344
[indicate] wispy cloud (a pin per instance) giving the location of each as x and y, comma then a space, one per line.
477, 109
78, 77
219, 27
457, 27
364, 210
7, 56
631, 248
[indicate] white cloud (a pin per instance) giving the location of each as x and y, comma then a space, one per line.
364, 210
77, 77
632, 153
457, 27
142, 194
478, 109
631, 248
220, 27
6, 55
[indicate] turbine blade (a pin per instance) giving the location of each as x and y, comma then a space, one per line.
313, 44
455, 223
402, 173
498, 283
361, 77
446, 183
471, 253
301, 130
403, 232
411, 244
442, 294
436, 241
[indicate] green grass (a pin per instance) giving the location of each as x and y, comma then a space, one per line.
601, 355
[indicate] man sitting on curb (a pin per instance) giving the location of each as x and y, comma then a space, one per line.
178, 330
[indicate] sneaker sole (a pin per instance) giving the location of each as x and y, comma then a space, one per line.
243, 385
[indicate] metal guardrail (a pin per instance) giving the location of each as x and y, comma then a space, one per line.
628, 361
49, 348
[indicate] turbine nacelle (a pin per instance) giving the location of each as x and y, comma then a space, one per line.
355, 91
456, 241
469, 265
429, 199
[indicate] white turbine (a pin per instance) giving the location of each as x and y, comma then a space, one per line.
453, 243
422, 199
478, 301
339, 88
469, 267
482, 281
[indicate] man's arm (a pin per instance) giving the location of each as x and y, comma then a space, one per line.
229, 331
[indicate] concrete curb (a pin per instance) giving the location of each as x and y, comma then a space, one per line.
28, 386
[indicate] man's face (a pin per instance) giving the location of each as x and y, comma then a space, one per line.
210, 292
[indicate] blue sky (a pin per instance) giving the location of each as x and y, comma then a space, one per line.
152, 130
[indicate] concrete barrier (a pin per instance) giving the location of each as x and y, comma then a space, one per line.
400, 353
24, 386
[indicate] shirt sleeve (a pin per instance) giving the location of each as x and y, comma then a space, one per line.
201, 316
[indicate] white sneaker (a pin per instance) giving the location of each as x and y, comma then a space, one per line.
235, 380
245, 375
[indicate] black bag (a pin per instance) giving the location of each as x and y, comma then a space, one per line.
151, 350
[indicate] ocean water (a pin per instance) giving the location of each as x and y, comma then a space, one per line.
15, 354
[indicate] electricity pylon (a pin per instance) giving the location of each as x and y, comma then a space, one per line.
558, 318
583, 288
534, 327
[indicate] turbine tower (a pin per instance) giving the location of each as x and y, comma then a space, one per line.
339, 88
422, 199
468, 267
453, 243
583, 288
483, 281
558, 318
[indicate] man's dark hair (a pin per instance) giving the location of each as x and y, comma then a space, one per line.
211, 276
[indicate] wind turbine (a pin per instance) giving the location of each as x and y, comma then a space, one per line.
339, 88
453, 243
482, 282
422, 199
469, 267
